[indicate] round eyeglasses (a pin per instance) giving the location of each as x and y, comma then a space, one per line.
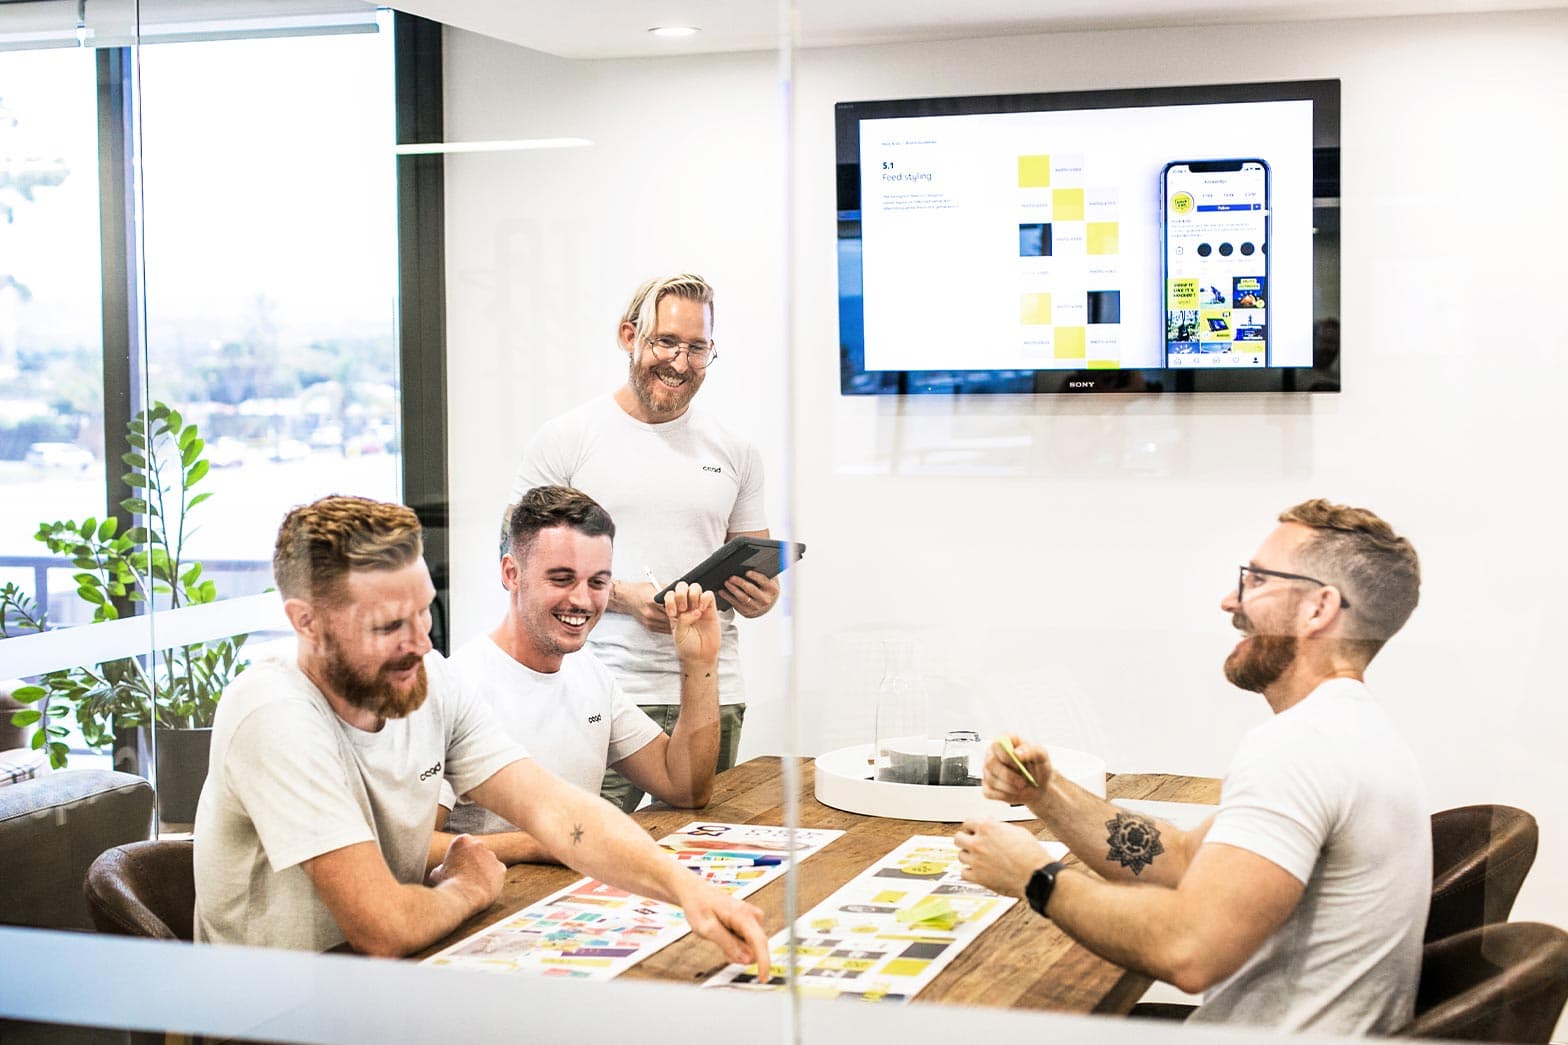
699, 354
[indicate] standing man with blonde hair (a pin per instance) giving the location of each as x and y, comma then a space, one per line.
678, 483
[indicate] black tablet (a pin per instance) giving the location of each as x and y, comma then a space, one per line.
734, 559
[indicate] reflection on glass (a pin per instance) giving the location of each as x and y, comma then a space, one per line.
271, 275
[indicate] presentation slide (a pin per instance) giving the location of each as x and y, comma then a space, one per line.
1034, 241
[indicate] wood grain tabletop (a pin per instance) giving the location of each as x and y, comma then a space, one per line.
1023, 960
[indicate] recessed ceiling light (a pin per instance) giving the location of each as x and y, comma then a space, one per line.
674, 30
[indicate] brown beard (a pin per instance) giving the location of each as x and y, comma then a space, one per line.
374, 693
643, 380
1260, 660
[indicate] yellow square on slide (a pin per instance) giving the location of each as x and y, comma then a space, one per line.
1034, 172
1035, 309
1071, 343
905, 967
888, 896
1184, 292
1067, 205
1104, 364
1102, 237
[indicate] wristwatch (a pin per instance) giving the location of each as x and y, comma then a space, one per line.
1038, 891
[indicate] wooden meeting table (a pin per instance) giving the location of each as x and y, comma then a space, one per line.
1022, 961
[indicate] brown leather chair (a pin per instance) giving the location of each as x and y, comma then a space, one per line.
144, 889
1504, 983
1480, 856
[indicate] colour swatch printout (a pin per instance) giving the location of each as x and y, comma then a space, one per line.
591, 930
887, 933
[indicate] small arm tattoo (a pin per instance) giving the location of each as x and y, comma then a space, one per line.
577, 833
1134, 841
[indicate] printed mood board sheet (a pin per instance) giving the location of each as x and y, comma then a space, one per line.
590, 930
887, 933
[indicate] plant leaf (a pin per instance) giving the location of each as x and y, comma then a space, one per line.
194, 501
198, 470
26, 717
107, 528
92, 595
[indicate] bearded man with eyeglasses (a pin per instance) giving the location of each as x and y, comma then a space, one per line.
1301, 903
679, 484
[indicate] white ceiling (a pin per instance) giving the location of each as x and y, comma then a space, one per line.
619, 28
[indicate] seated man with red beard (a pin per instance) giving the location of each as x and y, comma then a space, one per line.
316, 817
1301, 903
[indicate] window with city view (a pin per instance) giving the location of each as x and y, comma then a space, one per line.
264, 210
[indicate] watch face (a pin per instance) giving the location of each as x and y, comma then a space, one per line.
1038, 891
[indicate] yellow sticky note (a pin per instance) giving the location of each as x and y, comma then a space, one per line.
1034, 172
1071, 343
888, 896
1035, 309
1007, 746
1102, 237
933, 912
1067, 205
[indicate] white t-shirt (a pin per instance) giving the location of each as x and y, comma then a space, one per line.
289, 780
676, 491
1329, 791
575, 722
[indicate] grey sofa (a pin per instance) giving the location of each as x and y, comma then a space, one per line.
51, 830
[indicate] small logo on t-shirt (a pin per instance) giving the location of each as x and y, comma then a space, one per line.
715, 469
594, 718
432, 771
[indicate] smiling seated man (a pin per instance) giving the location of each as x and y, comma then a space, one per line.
557, 698
315, 820
1301, 903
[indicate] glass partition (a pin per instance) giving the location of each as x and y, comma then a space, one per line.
201, 327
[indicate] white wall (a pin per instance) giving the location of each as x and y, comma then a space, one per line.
1064, 558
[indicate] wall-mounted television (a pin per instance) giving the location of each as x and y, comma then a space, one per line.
1170, 239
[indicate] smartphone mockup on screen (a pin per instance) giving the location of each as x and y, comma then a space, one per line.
1215, 229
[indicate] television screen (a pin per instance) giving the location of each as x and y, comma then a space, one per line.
1178, 239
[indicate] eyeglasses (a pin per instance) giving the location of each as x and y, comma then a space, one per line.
1259, 573
699, 354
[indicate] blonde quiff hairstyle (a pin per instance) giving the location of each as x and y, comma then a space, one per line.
320, 543
1377, 569
643, 309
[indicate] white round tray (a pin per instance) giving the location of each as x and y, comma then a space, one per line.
841, 782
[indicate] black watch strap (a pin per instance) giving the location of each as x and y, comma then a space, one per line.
1041, 883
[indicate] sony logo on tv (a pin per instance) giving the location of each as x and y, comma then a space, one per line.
1080, 384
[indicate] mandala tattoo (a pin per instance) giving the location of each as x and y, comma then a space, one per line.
1134, 841
577, 833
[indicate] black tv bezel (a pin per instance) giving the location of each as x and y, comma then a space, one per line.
1322, 376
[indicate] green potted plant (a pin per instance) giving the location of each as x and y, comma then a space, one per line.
174, 690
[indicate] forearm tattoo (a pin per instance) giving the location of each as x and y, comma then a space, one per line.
577, 833
1134, 841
